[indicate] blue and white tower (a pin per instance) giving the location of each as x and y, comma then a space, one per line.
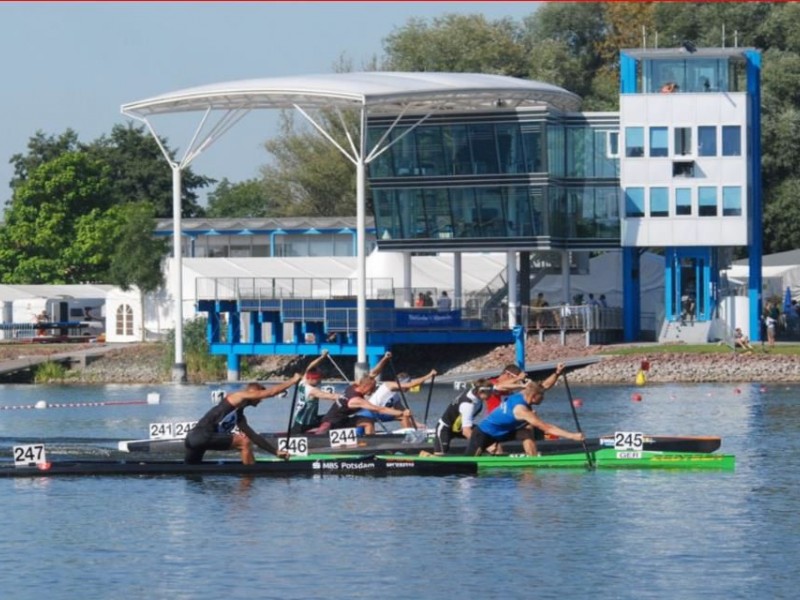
690, 160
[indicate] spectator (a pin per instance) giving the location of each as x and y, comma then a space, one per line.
444, 303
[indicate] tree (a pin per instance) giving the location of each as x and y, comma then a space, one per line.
41, 149
459, 43
245, 199
310, 175
139, 172
563, 41
75, 206
51, 204
138, 254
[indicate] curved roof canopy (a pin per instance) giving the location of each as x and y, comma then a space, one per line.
379, 91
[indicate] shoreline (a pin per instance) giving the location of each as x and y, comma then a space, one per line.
144, 364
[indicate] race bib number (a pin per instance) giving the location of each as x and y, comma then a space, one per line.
343, 437
29, 455
628, 440
161, 431
296, 446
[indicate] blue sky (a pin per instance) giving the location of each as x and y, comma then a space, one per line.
71, 65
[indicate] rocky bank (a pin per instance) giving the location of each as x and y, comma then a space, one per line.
147, 363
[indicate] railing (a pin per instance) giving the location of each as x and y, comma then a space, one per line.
270, 288
572, 318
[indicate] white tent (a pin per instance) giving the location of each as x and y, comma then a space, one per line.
316, 276
605, 278
21, 303
774, 280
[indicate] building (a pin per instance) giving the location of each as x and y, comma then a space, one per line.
462, 163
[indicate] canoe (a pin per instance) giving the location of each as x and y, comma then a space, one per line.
392, 443
604, 458
303, 466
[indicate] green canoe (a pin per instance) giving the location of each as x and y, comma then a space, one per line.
605, 458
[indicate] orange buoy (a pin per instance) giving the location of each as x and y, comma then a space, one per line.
636, 397
577, 403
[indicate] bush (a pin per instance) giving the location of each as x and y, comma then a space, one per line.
49, 372
200, 364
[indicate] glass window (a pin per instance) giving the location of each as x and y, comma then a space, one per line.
124, 320
634, 202
634, 141
612, 144
659, 202
683, 141
683, 201
556, 155
534, 148
604, 165
430, 151
484, 148
707, 201
404, 152
462, 154
731, 140
509, 145
659, 141
578, 150
707, 140
731, 201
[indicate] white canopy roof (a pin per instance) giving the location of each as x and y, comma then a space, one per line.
379, 91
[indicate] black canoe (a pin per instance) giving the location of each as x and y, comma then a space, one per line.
400, 443
304, 466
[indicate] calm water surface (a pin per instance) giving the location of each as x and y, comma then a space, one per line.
555, 534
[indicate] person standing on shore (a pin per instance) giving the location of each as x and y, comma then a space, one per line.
225, 427
515, 419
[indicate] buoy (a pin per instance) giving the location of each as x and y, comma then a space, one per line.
640, 378
41, 404
762, 389
153, 398
636, 397
577, 403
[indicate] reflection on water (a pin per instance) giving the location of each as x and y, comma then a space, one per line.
621, 534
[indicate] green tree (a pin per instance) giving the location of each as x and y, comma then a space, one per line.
55, 201
310, 175
459, 43
139, 172
137, 256
41, 149
245, 199
562, 41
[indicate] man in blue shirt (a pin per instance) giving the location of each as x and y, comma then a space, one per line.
514, 419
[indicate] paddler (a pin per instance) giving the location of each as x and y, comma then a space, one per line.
225, 427
458, 418
509, 381
309, 394
389, 393
353, 400
514, 419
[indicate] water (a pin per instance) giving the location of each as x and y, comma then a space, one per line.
551, 534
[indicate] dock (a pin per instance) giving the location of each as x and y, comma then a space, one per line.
79, 357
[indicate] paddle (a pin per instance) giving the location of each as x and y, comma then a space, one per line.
428, 403
589, 460
291, 415
333, 362
417, 435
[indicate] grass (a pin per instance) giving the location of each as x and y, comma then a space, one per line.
784, 349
